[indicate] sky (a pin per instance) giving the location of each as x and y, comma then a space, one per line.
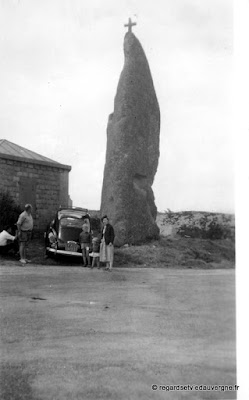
60, 65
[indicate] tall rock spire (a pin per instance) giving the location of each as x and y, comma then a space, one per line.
132, 150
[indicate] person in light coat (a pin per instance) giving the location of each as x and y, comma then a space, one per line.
25, 227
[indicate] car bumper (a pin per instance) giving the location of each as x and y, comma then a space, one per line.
64, 252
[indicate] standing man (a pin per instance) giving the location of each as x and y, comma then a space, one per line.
25, 227
107, 244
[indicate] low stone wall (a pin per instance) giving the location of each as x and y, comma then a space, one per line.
196, 224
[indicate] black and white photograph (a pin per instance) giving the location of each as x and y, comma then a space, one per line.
118, 217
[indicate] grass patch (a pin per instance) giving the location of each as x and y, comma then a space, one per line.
167, 252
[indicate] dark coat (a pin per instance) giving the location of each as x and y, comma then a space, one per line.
109, 234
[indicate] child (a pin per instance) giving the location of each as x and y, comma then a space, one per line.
85, 242
95, 250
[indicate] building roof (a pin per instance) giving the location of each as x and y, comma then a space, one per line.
13, 151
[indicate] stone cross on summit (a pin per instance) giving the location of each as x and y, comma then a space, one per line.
130, 25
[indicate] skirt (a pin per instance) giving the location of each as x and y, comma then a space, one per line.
106, 252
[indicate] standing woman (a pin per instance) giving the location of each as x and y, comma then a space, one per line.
107, 244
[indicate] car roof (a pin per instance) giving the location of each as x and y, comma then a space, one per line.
73, 209
75, 212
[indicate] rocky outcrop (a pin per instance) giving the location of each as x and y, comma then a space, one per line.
132, 151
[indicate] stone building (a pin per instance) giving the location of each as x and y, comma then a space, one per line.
32, 178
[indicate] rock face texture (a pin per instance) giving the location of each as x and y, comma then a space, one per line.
132, 151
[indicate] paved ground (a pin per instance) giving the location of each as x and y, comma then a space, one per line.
72, 333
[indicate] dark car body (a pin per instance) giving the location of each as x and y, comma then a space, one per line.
62, 234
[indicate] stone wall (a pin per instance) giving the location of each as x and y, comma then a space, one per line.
63, 194
48, 187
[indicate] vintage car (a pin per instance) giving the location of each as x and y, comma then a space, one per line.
62, 234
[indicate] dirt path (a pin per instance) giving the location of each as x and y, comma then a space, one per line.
72, 333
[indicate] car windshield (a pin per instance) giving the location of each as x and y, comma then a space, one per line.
70, 229
71, 222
